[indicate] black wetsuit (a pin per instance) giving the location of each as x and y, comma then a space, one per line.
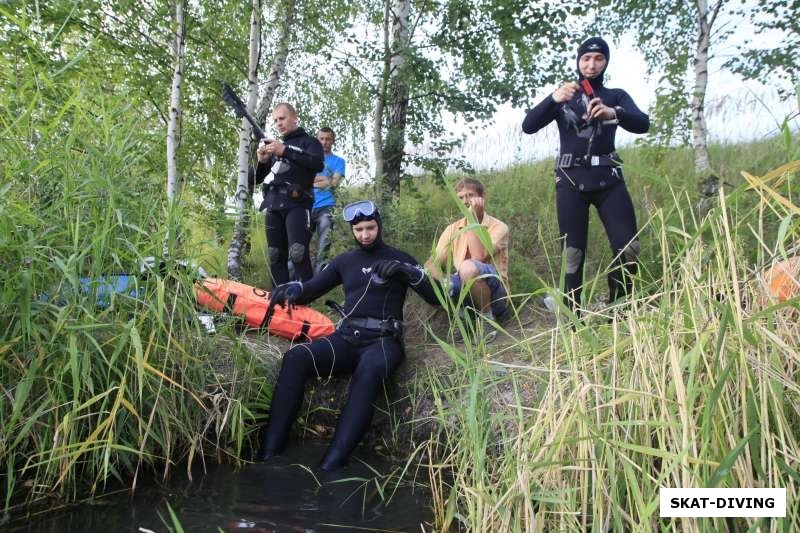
368, 354
288, 198
580, 185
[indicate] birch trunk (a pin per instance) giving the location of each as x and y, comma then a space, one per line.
380, 105
174, 123
278, 64
243, 181
397, 100
699, 130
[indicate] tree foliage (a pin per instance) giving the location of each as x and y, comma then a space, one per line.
782, 62
668, 35
461, 59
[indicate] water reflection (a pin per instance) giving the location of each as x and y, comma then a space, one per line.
285, 495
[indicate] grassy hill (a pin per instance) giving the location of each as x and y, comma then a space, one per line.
662, 184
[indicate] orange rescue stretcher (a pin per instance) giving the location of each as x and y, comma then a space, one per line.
251, 304
783, 279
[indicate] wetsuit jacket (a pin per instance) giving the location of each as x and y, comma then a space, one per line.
365, 294
294, 170
574, 137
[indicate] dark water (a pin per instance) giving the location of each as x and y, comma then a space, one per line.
280, 496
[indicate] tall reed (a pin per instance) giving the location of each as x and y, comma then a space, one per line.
692, 382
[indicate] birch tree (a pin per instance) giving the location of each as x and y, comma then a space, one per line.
397, 94
286, 30
704, 22
243, 182
673, 36
174, 125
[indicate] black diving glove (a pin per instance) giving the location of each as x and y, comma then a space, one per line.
390, 268
286, 294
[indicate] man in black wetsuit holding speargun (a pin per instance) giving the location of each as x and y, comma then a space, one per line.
367, 342
287, 169
588, 169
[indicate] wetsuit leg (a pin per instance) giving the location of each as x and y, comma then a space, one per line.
331, 355
298, 230
277, 247
377, 361
572, 208
616, 211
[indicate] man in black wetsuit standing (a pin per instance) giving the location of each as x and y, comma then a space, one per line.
588, 169
367, 342
286, 169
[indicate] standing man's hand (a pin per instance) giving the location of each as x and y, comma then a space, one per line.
268, 148
264, 152
322, 182
596, 109
565, 92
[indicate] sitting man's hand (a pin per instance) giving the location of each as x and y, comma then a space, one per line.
286, 294
392, 268
386, 268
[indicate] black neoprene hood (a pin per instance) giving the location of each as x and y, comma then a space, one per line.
593, 44
376, 216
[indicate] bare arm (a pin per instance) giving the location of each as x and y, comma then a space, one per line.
499, 237
475, 248
434, 264
433, 268
325, 182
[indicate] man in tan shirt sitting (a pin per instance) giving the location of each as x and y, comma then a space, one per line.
483, 272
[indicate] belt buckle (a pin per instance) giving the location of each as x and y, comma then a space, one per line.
565, 160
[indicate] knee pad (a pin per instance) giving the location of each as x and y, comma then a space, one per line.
297, 253
274, 255
574, 259
631, 252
